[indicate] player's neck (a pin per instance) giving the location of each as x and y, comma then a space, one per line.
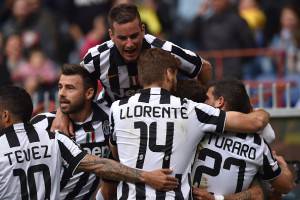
83, 114
160, 85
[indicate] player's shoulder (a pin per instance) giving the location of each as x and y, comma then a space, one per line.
42, 116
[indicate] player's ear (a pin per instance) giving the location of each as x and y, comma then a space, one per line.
90, 93
220, 102
5, 115
111, 34
143, 28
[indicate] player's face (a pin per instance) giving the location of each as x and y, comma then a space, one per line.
128, 39
71, 94
211, 100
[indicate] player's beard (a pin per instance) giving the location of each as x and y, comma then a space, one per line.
74, 107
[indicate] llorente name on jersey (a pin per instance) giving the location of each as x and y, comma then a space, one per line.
153, 111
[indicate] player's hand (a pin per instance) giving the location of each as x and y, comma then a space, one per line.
62, 123
202, 194
161, 180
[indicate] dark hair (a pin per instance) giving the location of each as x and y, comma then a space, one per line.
234, 94
17, 101
123, 13
153, 64
191, 89
88, 80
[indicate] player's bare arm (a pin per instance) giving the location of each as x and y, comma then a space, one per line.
246, 123
255, 192
112, 170
284, 182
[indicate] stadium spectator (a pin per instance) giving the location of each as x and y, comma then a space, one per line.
114, 62
224, 29
154, 129
38, 75
13, 54
235, 155
255, 17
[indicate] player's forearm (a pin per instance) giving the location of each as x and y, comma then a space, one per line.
109, 169
246, 195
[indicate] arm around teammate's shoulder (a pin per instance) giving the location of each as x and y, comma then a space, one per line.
246, 123
112, 170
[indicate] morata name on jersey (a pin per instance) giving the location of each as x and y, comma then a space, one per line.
153, 111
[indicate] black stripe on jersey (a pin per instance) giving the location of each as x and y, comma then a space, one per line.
92, 189
257, 139
69, 158
96, 63
123, 101
112, 129
31, 133
183, 101
77, 189
144, 96
158, 43
113, 73
37, 119
140, 191
88, 58
192, 59
102, 48
12, 137
178, 192
165, 97
241, 135
268, 172
210, 119
125, 191
190, 184
140, 187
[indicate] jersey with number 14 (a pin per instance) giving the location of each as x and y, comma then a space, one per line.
227, 164
154, 130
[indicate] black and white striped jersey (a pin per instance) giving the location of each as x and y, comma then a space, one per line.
236, 158
154, 130
31, 160
120, 79
92, 136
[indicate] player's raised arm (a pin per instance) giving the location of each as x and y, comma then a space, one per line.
112, 170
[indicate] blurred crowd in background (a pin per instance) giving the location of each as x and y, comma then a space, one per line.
38, 36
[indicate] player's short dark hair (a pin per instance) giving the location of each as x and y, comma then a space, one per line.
234, 93
191, 89
123, 13
88, 80
17, 101
153, 64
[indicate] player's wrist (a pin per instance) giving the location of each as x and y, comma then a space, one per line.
218, 197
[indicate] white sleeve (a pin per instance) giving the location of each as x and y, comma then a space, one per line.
268, 133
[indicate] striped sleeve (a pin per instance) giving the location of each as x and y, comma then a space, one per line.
91, 61
70, 152
211, 119
270, 168
191, 62
43, 120
113, 138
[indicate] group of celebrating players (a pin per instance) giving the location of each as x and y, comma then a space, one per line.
147, 136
